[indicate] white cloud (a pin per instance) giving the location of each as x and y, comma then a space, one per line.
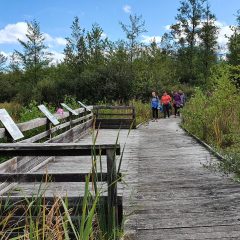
167, 27
61, 41
127, 8
5, 54
149, 39
53, 41
12, 32
57, 57
224, 33
103, 35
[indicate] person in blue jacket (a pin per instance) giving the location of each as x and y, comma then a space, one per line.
154, 105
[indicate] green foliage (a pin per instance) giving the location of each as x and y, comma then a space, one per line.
13, 109
30, 112
214, 116
193, 39
34, 57
234, 44
133, 31
235, 75
71, 102
3, 60
143, 111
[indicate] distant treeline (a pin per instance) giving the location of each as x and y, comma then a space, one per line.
96, 69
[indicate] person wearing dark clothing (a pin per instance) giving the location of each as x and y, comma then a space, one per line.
154, 105
177, 101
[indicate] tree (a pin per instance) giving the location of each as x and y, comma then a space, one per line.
234, 44
186, 32
3, 60
76, 55
133, 31
208, 42
96, 44
34, 56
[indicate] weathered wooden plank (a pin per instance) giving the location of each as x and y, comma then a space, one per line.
113, 107
38, 122
173, 196
53, 177
114, 123
55, 149
198, 233
112, 188
72, 200
27, 163
115, 114
57, 128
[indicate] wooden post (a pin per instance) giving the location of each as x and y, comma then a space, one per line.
48, 128
97, 114
112, 190
134, 117
70, 120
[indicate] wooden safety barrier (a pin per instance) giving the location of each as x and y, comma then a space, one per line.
114, 203
115, 117
70, 129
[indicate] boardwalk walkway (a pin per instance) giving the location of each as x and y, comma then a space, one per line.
169, 193
176, 197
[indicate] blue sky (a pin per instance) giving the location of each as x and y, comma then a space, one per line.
55, 17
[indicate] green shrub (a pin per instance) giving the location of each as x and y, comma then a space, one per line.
214, 116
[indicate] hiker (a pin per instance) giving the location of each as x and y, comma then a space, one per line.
154, 105
176, 103
166, 102
183, 98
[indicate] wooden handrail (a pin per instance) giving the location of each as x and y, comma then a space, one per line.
55, 149
112, 107
115, 119
39, 122
68, 149
53, 177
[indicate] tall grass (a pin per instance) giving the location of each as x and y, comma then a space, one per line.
37, 219
143, 111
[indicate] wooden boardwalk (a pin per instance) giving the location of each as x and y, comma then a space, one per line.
176, 198
168, 192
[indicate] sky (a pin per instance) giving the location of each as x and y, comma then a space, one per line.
56, 16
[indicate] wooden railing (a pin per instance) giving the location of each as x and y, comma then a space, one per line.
70, 129
33, 152
114, 203
123, 117
68, 121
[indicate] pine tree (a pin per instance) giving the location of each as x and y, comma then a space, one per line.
76, 55
133, 31
96, 44
3, 60
186, 32
34, 56
208, 42
234, 44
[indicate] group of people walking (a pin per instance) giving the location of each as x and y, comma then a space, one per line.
166, 103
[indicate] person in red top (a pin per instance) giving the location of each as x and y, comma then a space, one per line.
165, 100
